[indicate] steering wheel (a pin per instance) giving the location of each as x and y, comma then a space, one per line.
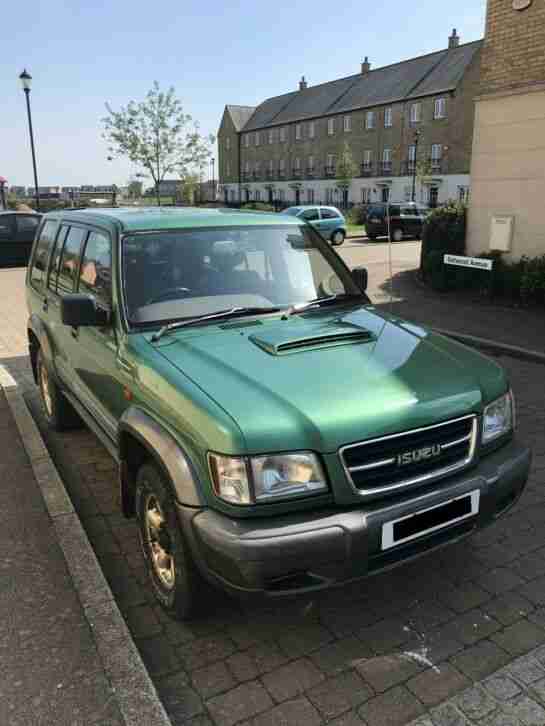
171, 293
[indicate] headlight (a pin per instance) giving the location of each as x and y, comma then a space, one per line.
499, 417
275, 476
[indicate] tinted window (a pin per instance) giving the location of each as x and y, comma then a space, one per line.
68, 269
310, 214
96, 267
394, 211
329, 214
26, 227
55, 257
375, 211
41, 254
7, 227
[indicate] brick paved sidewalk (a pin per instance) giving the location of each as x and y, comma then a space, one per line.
51, 671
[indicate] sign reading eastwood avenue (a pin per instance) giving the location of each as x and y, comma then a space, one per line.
460, 261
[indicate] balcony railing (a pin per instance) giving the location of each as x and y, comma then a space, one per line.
385, 168
296, 173
330, 170
367, 169
311, 171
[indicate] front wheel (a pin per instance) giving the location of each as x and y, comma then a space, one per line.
337, 238
173, 574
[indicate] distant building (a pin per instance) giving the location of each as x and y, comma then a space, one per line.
290, 147
18, 191
507, 168
168, 187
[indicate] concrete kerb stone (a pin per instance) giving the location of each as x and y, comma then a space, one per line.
135, 693
495, 346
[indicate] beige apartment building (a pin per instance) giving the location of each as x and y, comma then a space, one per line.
508, 164
409, 122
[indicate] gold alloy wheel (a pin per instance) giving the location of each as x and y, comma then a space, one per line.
158, 542
46, 390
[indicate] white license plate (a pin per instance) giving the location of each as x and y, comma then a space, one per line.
429, 520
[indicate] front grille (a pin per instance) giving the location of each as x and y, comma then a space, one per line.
411, 457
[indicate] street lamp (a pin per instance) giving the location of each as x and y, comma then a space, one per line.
212, 161
416, 139
26, 81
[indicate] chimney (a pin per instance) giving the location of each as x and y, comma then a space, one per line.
454, 40
302, 84
365, 66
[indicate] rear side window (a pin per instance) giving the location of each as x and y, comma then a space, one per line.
310, 215
96, 268
26, 227
7, 227
56, 257
329, 214
41, 254
68, 270
395, 211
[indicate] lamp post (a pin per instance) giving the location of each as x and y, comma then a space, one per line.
26, 81
213, 161
3, 183
416, 139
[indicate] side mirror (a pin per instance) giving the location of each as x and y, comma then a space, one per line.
360, 277
82, 310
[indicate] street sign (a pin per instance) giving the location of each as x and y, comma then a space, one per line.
475, 262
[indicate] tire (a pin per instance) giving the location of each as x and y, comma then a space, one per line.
397, 235
337, 238
174, 577
59, 413
372, 237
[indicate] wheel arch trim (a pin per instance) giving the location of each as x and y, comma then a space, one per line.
38, 329
164, 450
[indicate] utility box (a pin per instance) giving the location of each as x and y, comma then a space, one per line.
501, 233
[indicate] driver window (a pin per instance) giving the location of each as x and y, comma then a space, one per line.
96, 268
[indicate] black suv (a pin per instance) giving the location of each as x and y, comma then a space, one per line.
17, 230
406, 220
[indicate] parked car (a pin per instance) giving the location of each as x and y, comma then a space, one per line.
17, 230
275, 433
329, 222
406, 220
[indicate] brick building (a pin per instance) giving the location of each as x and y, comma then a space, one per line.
508, 164
289, 148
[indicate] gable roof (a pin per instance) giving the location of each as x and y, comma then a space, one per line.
239, 114
426, 75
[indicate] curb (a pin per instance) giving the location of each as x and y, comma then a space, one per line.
534, 356
134, 691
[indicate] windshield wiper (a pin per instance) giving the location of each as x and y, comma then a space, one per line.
318, 302
227, 313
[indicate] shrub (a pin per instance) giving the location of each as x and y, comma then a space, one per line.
357, 214
258, 206
532, 282
444, 231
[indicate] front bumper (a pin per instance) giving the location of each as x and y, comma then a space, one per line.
310, 551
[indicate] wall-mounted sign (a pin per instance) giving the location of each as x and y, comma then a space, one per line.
475, 262
521, 4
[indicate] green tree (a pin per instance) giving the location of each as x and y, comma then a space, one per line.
157, 135
346, 170
189, 185
134, 189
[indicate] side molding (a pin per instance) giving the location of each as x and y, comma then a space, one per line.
166, 452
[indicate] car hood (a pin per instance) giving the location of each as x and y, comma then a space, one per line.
330, 378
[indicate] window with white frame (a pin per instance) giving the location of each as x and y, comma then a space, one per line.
271, 167
330, 126
370, 120
440, 108
228, 143
329, 196
311, 164
388, 117
386, 159
463, 194
416, 113
282, 166
311, 129
257, 168
310, 196
348, 123
297, 164
365, 195
257, 195
412, 157
330, 162
298, 131
271, 136
247, 167
282, 134
367, 159
408, 192
436, 154
257, 139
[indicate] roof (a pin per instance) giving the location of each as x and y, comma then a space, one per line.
19, 211
240, 115
141, 219
426, 75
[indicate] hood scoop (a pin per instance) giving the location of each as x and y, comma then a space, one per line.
276, 343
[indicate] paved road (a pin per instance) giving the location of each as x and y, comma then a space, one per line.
381, 652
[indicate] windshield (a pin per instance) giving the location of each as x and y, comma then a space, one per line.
293, 211
180, 274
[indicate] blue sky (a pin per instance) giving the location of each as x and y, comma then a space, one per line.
83, 54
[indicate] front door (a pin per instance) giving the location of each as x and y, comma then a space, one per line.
270, 196
434, 195
297, 197
385, 194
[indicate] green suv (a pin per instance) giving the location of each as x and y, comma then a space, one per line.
275, 433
